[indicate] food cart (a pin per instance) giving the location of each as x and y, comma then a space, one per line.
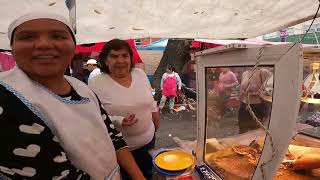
269, 150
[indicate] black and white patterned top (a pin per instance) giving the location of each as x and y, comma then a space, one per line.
29, 150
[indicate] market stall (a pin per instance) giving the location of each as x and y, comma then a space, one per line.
273, 147
246, 155
265, 155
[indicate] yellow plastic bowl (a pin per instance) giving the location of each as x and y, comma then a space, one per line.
174, 160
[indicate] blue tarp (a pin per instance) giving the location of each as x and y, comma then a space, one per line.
159, 45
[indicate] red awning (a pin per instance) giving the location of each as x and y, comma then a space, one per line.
205, 45
97, 47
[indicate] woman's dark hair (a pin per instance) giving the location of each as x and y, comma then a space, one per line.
170, 67
114, 44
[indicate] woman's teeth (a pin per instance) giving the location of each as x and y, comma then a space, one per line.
45, 57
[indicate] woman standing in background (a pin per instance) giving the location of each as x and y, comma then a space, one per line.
169, 82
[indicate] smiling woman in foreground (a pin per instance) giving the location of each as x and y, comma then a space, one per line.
52, 126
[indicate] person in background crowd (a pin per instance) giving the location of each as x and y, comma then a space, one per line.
68, 71
254, 82
169, 82
53, 126
92, 66
85, 75
125, 92
227, 82
226, 85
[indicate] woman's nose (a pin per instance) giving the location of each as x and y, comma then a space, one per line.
121, 59
43, 43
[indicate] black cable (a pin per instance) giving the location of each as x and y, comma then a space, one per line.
315, 16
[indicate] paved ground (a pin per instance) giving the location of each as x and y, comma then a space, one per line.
182, 125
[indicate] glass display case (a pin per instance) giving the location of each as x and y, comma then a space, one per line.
247, 114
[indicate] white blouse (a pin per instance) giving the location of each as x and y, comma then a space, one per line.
118, 100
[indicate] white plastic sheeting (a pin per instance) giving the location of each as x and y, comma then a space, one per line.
102, 20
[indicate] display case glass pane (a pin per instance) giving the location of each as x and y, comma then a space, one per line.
234, 138
310, 101
305, 141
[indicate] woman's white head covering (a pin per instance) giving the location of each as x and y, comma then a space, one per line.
37, 15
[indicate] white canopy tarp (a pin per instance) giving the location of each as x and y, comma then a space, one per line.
102, 20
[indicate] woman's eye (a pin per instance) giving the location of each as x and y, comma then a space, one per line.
60, 36
25, 37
